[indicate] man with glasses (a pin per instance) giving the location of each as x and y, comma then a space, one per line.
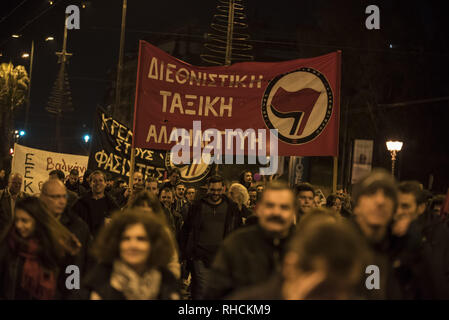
8, 199
54, 198
208, 222
71, 195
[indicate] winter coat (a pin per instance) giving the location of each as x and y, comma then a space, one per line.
434, 245
83, 208
247, 257
98, 280
192, 224
11, 267
404, 273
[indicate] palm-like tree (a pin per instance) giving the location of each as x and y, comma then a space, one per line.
14, 84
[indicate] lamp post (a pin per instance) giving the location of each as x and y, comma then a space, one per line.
394, 147
31, 57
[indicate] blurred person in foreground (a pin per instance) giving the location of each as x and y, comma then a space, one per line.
250, 255
34, 253
405, 274
431, 235
133, 252
325, 259
148, 202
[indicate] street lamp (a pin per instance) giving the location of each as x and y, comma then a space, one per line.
394, 147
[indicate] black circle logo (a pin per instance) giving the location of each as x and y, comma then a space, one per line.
298, 104
190, 172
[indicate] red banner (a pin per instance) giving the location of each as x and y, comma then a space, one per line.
299, 98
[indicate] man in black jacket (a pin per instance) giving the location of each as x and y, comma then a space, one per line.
251, 255
431, 235
73, 183
96, 206
207, 223
403, 271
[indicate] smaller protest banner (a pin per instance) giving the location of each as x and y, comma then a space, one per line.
35, 165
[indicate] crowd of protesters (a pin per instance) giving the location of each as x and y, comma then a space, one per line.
226, 239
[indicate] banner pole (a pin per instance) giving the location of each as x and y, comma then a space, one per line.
334, 176
133, 116
335, 173
131, 169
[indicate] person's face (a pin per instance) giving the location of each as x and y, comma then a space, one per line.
375, 209
25, 224
166, 198
152, 187
138, 178
340, 193
180, 189
55, 198
174, 178
215, 191
14, 185
190, 194
316, 202
336, 206
259, 189
437, 209
407, 206
248, 177
135, 246
305, 201
2, 174
253, 196
276, 211
73, 179
98, 184
123, 185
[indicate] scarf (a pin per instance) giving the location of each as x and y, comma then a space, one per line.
36, 280
132, 285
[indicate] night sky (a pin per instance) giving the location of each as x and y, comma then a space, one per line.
284, 29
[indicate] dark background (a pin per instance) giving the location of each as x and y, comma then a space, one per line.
405, 61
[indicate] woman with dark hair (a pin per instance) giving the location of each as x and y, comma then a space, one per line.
148, 202
246, 178
32, 253
334, 202
132, 252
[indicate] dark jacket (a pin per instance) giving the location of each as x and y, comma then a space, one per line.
85, 211
192, 224
11, 267
247, 257
434, 245
80, 229
98, 280
404, 273
6, 216
77, 188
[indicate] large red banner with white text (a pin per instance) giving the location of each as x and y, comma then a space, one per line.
299, 98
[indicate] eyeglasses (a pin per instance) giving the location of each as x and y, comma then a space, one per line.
56, 196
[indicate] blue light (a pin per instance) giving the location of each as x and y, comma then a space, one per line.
86, 138
22, 133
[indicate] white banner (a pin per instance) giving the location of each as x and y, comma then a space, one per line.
362, 159
35, 164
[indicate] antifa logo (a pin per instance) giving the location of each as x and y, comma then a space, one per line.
298, 104
284, 104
